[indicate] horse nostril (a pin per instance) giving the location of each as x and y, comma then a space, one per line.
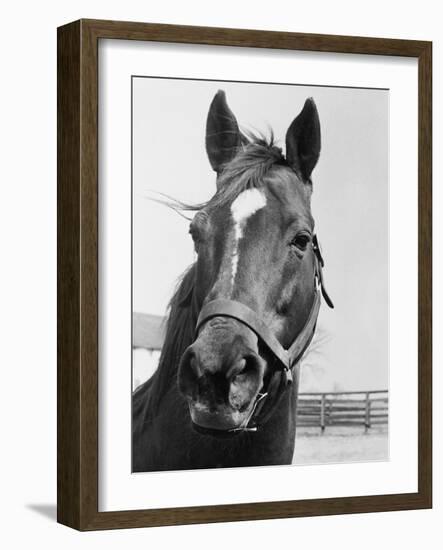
189, 372
246, 381
237, 368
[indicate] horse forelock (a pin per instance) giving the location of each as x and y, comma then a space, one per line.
250, 167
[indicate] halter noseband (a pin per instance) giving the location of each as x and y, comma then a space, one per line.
287, 360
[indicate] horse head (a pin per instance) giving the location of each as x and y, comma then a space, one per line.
257, 269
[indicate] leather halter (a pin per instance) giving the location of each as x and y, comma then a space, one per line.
287, 360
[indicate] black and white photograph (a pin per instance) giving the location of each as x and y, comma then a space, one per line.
260, 274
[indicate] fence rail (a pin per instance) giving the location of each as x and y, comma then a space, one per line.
366, 409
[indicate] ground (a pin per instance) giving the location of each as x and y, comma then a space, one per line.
340, 445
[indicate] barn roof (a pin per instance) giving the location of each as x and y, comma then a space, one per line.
148, 331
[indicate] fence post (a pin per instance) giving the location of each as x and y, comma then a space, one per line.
322, 412
368, 413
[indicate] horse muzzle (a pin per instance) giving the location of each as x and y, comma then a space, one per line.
221, 375
218, 422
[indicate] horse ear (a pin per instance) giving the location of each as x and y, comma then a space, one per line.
222, 132
303, 141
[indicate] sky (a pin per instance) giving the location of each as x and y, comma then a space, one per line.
349, 204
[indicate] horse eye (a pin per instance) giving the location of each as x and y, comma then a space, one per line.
301, 241
193, 232
195, 237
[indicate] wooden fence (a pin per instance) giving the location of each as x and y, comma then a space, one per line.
351, 409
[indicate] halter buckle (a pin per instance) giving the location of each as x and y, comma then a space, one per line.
288, 376
317, 250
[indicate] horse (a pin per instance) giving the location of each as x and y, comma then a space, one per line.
225, 390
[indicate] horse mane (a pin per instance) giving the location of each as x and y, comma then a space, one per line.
180, 325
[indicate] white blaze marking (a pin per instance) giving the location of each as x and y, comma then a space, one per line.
246, 204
